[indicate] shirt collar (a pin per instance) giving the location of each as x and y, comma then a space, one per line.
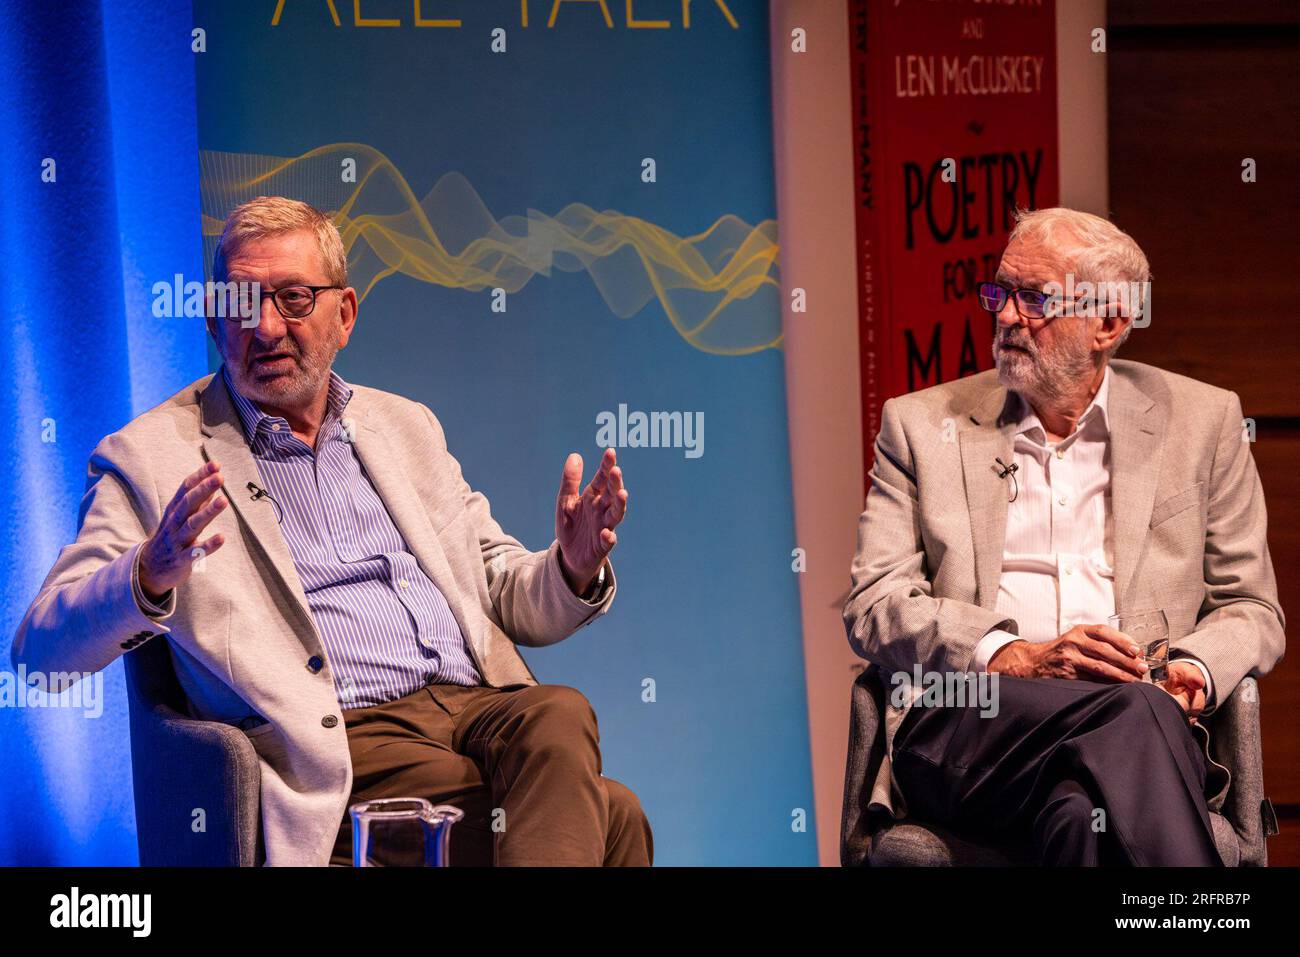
257, 424
1097, 411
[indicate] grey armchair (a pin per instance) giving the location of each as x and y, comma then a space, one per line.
870, 837
181, 766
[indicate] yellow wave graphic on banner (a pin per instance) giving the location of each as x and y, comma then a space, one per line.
719, 288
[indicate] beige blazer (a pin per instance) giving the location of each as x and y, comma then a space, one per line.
1189, 520
241, 633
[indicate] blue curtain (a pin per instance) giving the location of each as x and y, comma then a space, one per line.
105, 92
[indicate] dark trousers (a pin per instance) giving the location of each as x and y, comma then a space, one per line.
522, 763
1084, 773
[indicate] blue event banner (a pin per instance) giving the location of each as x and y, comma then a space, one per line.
560, 222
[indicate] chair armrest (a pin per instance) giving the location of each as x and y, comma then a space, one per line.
197, 790
865, 752
1235, 743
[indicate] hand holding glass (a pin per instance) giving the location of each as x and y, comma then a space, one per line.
1150, 632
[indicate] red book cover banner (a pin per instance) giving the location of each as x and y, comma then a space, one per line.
954, 127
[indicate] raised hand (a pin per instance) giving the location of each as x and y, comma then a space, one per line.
166, 558
585, 520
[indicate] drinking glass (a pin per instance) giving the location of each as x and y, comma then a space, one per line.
402, 832
1150, 631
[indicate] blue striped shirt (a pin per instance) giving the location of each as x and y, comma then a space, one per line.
386, 627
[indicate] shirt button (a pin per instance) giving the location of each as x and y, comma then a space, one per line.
1069, 571
1061, 500
404, 583
315, 664
329, 721
1060, 453
426, 641
275, 427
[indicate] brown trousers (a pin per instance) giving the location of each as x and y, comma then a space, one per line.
522, 762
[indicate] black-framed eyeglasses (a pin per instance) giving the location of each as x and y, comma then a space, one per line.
294, 303
1030, 303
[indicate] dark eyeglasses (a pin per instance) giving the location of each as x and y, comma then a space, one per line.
1030, 303
294, 303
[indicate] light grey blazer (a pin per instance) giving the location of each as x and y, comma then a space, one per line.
241, 632
1189, 520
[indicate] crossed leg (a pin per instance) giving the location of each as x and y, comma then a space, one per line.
1061, 758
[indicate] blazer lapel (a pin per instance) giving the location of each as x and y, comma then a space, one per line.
224, 441
991, 438
383, 467
1137, 427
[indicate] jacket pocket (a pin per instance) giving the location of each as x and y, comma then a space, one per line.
1176, 503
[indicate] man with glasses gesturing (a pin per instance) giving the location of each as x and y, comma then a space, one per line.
328, 581
1009, 515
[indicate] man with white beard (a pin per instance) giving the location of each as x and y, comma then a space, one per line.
1010, 515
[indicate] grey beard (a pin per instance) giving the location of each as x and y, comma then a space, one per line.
1047, 379
313, 370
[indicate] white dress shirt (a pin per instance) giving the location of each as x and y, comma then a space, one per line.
1058, 566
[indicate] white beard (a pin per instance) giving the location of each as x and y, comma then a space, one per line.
1045, 377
